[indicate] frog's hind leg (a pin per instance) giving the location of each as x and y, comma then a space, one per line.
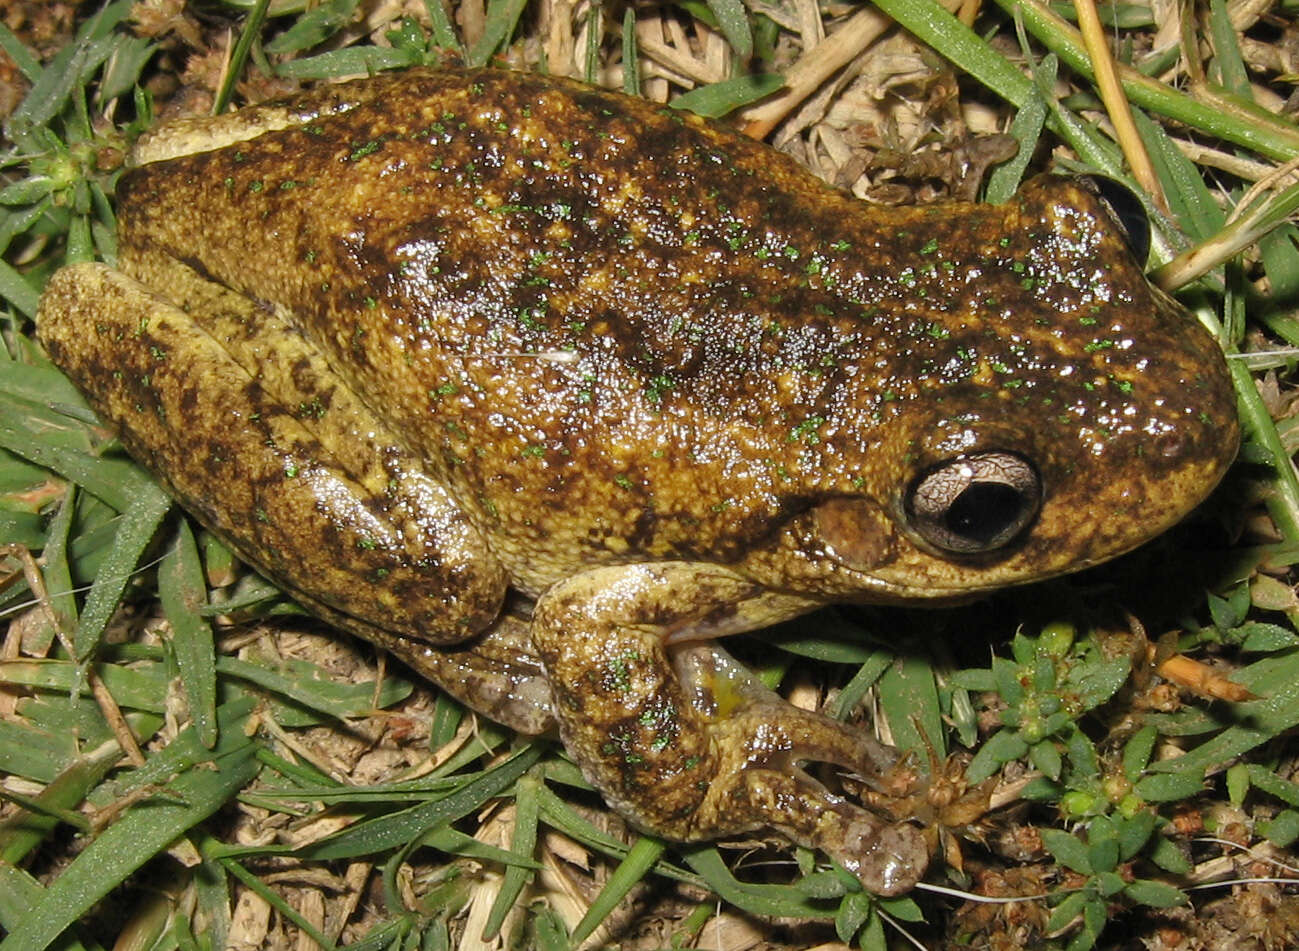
497, 673
686, 743
259, 438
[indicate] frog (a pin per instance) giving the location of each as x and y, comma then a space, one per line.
545, 389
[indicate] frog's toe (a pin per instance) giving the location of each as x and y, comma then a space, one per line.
888, 858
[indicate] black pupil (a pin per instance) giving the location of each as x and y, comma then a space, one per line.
983, 511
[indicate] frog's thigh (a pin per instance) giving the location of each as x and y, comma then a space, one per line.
698, 749
388, 548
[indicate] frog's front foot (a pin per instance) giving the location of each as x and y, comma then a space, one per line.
689, 745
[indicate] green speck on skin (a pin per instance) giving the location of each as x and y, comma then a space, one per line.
623, 482
930, 246
371, 303
361, 151
1124, 386
1095, 345
291, 470
366, 544
489, 507
446, 389
261, 516
661, 742
791, 252
533, 452
840, 245
618, 668
657, 386
938, 331
311, 256
762, 254
288, 185
256, 185
1088, 321
722, 506
313, 409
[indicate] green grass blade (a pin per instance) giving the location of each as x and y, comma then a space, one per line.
24, 831
139, 522
1252, 128
722, 98
391, 831
640, 859
306, 684
19, 891
1025, 129
135, 838
502, 20
773, 900
522, 844
184, 594
733, 18
444, 34
909, 698
17, 290
933, 25
23, 58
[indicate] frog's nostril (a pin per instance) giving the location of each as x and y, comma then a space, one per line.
975, 503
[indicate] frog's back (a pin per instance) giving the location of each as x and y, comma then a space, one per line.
618, 332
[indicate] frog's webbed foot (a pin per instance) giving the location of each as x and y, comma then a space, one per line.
767, 738
685, 742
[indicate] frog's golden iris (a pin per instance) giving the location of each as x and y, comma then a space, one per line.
410, 342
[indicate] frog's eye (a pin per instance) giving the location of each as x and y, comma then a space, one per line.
975, 503
1125, 210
